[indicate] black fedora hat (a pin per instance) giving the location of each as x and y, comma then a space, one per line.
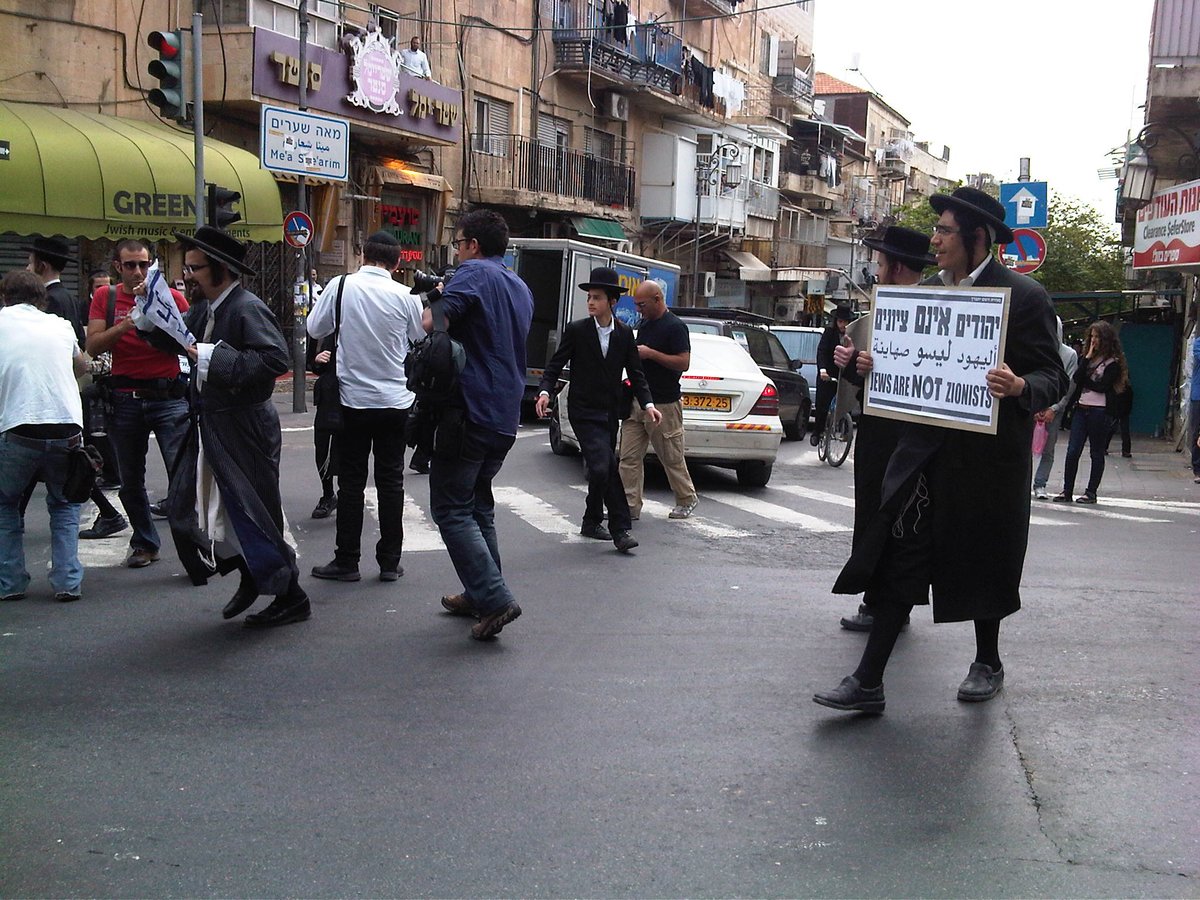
218, 245
604, 277
53, 250
975, 201
843, 313
904, 244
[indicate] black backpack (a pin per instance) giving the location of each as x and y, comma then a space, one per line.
434, 364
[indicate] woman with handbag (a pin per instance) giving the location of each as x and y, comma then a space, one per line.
1101, 377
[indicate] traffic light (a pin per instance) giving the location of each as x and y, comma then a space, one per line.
168, 69
219, 211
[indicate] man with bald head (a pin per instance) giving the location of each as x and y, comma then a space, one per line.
665, 348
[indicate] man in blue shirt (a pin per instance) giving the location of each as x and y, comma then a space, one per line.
488, 310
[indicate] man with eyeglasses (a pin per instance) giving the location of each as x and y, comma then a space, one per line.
147, 392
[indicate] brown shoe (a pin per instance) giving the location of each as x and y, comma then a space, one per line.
458, 605
492, 624
139, 558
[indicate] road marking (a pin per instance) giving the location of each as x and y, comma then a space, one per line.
811, 494
1159, 506
420, 534
700, 524
300, 428
540, 514
1089, 510
778, 513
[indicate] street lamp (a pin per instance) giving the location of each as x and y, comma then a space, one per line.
707, 172
1139, 172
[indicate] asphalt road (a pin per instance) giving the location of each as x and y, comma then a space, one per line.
645, 729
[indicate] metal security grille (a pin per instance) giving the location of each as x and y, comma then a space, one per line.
270, 279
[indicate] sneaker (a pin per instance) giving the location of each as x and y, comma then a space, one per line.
850, 696
596, 532
1063, 498
159, 509
492, 624
337, 571
1089, 497
12, 598
458, 605
68, 596
1039, 493
981, 683
324, 508
683, 510
104, 527
139, 558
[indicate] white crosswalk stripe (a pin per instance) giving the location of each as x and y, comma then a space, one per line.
538, 513
700, 524
1089, 510
777, 513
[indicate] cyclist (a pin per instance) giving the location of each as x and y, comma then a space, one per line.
827, 369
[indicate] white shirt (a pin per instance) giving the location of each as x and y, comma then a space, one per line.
204, 351
605, 332
37, 377
380, 320
416, 62
948, 279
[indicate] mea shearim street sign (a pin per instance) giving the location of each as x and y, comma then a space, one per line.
302, 143
1025, 204
1026, 253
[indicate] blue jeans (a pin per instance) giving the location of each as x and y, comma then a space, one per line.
129, 430
1194, 417
22, 460
1042, 476
460, 499
1090, 424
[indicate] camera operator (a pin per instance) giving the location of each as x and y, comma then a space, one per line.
423, 284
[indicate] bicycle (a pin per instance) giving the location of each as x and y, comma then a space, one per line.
834, 445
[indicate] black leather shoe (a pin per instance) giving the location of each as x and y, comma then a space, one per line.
159, 510
335, 571
982, 683
241, 601
1089, 497
421, 468
624, 541
104, 527
282, 611
850, 696
391, 574
324, 508
493, 623
860, 621
596, 532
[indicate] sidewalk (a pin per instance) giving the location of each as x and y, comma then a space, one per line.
1156, 471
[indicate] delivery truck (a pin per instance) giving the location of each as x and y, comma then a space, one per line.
554, 268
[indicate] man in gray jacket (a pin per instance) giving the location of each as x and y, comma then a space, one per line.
1050, 418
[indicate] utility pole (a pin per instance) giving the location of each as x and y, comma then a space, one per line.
305, 270
198, 106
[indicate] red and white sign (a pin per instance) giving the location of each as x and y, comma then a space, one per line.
1168, 229
1026, 253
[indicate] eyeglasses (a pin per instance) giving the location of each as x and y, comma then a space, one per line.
130, 265
454, 243
188, 270
944, 230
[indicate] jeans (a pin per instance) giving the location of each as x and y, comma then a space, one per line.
367, 432
21, 461
1090, 424
1194, 417
460, 499
130, 428
1047, 462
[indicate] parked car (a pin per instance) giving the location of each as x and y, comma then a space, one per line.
730, 412
796, 396
800, 342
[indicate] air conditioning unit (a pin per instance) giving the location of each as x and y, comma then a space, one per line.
615, 106
708, 284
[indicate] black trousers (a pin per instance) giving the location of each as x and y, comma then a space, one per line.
826, 391
378, 433
597, 433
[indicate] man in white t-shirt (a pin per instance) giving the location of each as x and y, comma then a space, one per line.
41, 420
380, 318
414, 59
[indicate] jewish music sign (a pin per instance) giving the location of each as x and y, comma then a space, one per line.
931, 349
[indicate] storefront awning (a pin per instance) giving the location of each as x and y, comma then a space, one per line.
87, 175
750, 267
395, 175
599, 229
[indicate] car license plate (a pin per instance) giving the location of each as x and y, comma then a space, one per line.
709, 402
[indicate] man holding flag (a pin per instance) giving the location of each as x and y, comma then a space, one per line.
148, 392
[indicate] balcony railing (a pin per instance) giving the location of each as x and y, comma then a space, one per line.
519, 163
797, 86
763, 201
585, 37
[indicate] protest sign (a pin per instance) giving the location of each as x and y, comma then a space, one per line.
159, 306
932, 348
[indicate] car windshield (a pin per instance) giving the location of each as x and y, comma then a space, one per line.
716, 356
703, 328
800, 344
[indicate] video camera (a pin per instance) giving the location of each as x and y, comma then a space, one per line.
424, 282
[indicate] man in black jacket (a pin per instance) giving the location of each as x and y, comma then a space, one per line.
828, 370
47, 259
598, 348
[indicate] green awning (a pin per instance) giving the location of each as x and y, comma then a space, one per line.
601, 229
82, 174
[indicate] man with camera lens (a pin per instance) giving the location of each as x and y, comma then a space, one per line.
379, 318
148, 392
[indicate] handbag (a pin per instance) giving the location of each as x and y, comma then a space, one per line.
84, 463
327, 390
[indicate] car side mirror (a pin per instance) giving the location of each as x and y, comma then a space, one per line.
795, 364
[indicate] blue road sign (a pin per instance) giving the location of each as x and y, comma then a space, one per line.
1025, 204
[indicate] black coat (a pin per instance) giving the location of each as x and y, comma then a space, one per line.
978, 483
60, 302
596, 379
831, 337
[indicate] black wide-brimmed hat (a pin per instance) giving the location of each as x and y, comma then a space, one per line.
843, 313
606, 278
218, 245
904, 244
52, 250
975, 201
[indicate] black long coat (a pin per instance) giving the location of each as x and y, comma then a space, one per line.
978, 483
596, 381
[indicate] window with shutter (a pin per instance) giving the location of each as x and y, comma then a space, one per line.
492, 126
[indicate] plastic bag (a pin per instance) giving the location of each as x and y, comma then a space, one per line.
1039, 438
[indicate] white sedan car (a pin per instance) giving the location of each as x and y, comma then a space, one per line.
730, 412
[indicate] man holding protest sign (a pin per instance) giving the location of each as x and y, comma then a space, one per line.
953, 512
148, 393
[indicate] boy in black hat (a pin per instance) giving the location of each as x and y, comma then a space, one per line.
827, 370
47, 259
599, 350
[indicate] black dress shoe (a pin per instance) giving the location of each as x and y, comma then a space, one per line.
982, 683
596, 531
282, 611
337, 571
860, 621
850, 696
104, 527
159, 510
242, 600
624, 541
324, 508
391, 574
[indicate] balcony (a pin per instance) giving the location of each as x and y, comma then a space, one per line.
796, 88
513, 167
586, 42
705, 8
762, 201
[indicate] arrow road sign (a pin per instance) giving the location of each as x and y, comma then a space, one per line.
1024, 204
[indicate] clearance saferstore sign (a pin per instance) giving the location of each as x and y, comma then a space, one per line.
1168, 229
